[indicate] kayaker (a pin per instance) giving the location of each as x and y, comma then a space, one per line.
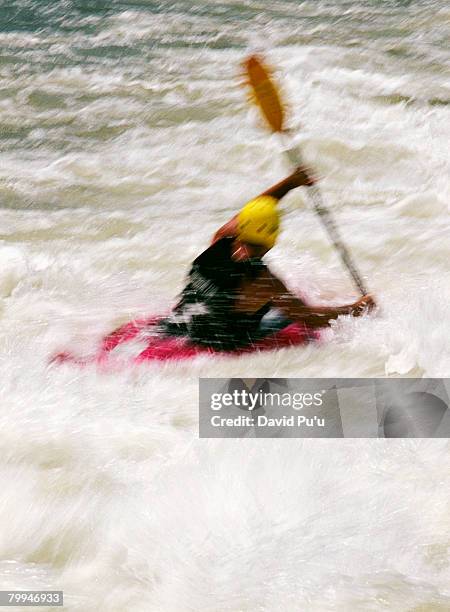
231, 297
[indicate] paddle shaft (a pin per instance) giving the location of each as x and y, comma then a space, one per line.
316, 200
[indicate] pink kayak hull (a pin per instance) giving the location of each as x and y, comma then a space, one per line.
165, 348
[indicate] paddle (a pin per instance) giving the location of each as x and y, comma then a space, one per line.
267, 97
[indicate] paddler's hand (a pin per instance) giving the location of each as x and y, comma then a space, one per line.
302, 177
363, 305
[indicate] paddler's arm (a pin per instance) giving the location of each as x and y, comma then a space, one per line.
320, 316
268, 288
298, 178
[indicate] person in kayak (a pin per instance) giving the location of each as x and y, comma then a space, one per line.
231, 295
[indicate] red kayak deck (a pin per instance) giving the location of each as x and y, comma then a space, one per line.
137, 342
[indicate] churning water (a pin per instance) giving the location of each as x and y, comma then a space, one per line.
126, 139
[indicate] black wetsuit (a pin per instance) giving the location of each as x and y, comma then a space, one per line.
205, 312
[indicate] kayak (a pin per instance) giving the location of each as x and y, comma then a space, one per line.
139, 342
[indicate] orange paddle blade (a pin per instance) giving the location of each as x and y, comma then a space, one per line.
265, 93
